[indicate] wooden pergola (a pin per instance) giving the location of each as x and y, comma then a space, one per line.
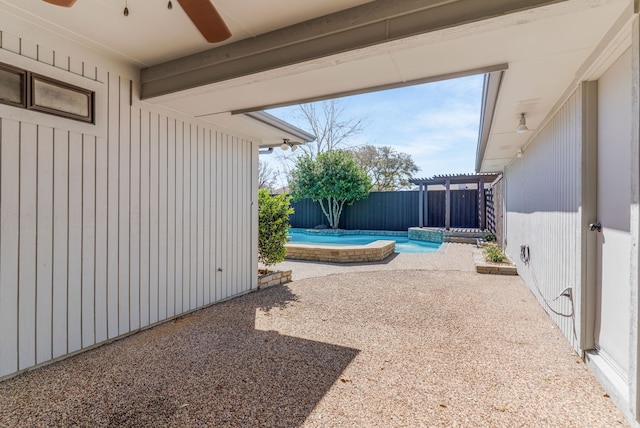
447, 181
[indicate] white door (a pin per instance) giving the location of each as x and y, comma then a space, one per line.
612, 320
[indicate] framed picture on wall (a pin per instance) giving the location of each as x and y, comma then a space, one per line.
13, 86
61, 99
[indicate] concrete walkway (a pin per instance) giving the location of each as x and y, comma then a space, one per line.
419, 341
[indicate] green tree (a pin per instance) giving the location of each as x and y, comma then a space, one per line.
333, 179
273, 226
388, 169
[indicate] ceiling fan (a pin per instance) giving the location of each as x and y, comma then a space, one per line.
201, 12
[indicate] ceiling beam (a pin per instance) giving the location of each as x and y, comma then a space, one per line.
359, 27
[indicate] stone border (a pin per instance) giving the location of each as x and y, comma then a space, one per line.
482, 266
373, 252
274, 278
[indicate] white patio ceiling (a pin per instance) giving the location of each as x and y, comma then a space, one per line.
543, 48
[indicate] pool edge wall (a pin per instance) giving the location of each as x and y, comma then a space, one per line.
374, 252
424, 234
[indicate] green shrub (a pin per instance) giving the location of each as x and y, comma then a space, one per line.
490, 237
273, 226
494, 254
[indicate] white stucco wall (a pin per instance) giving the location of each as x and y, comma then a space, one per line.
112, 227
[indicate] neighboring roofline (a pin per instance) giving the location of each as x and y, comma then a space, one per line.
281, 125
490, 92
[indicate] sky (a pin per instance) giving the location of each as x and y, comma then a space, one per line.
436, 123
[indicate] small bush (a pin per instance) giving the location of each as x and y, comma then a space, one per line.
494, 254
490, 237
273, 226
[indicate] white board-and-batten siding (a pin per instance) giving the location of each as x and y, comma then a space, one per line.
112, 227
543, 211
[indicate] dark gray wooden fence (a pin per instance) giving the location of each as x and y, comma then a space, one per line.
393, 211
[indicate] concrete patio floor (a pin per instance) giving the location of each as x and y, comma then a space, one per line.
417, 341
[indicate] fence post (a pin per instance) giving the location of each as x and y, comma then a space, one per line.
426, 205
447, 205
420, 204
481, 205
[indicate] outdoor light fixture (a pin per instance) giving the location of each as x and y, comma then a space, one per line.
519, 153
286, 144
522, 126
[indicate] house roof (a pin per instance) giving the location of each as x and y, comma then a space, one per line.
283, 52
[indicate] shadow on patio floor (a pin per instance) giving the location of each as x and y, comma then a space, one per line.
210, 368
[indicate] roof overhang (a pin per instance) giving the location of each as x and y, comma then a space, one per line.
292, 134
356, 28
490, 92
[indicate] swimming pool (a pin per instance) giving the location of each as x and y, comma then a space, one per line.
403, 243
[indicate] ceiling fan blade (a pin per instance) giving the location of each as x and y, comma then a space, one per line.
64, 3
206, 19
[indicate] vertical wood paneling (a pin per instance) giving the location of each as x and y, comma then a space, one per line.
200, 219
101, 256
234, 202
90, 70
88, 239
543, 211
44, 256
9, 241
186, 216
162, 218
29, 49
60, 61
75, 66
134, 225
206, 182
224, 207
124, 213
253, 249
145, 135
218, 231
28, 185
104, 234
113, 212
242, 210
10, 42
193, 218
245, 210
60, 240
179, 214
74, 279
153, 220
45, 55
171, 217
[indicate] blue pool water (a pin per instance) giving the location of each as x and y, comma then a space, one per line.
403, 244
